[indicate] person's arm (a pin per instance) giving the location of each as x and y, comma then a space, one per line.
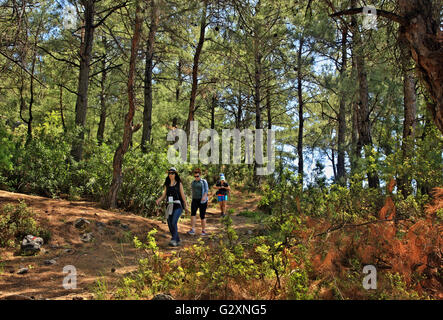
161, 197
182, 192
205, 195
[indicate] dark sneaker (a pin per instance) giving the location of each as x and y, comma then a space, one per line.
204, 234
173, 243
192, 232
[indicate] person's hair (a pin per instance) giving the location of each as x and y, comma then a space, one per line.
168, 180
197, 170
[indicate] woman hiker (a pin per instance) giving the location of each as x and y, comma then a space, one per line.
176, 203
223, 189
200, 190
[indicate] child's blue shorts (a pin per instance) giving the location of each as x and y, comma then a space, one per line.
222, 198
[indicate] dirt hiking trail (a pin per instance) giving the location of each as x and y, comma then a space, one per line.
108, 256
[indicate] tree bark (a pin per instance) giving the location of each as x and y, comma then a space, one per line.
421, 31
81, 105
117, 177
238, 118
103, 108
61, 109
301, 119
268, 108
410, 110
341, 136
31, 89
257, 88
198, 51
147, 112
179, 80
213, 105
177, 89
364, 123
257, 95
356, 148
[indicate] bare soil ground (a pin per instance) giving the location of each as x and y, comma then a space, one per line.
110, 255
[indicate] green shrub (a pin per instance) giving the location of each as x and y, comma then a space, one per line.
42, 165
298, 285
92, 177
143, 178
439, 215
256, 216
16, 222
281, 196
6, 150
408, 208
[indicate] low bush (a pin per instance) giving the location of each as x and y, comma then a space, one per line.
16, 222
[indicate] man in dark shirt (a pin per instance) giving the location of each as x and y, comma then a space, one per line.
223, 190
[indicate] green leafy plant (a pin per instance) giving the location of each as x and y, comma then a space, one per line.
17, 221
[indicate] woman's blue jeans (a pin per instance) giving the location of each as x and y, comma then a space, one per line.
172, 223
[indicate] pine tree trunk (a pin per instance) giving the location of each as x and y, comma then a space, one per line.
238, 118
421, 32
341, 136
103, 111
198, 51
179, 80
117, 177
81, 105
301, 119
364, 123
213, 105
268, 108
61, 108
410, 110
257, 99
147, 112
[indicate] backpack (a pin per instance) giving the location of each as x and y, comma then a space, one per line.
205, 188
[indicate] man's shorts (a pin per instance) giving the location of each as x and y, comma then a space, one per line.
222, 197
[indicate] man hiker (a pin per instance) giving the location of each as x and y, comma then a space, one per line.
200, 191
223, 189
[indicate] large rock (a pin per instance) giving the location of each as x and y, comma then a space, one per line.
31, 244
49, 262
22, 271
115, 223
100, 224
87, 237
125, 227
80, 223
162, 296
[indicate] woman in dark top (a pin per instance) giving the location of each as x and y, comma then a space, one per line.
223, 190
176, 203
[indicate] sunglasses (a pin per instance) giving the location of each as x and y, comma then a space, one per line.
196, 176
171, 172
